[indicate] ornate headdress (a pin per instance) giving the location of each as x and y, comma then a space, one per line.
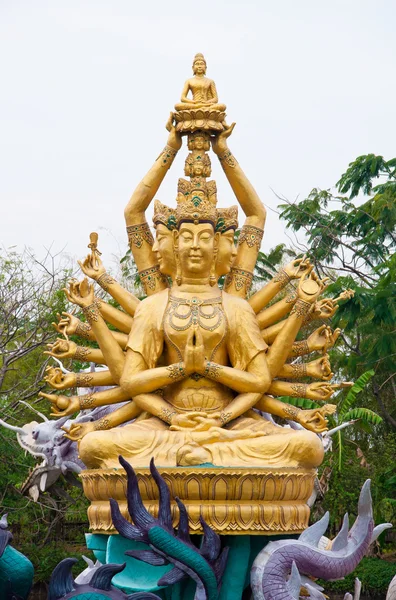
194, 159
227, 219
199, 56
196, 201
164, 215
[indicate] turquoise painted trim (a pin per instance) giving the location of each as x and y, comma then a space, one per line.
137, 576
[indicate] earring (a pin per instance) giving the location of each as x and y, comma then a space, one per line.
178, 269
213, 276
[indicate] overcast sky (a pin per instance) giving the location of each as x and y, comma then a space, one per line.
87, 86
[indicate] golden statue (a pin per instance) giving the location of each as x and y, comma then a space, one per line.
203, 89
203, 111
195, 365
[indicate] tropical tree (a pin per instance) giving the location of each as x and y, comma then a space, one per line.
352, 240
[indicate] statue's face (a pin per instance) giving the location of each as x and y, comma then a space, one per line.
226, 254
198, 169
163, 247
199, 67
196, 245
199, 143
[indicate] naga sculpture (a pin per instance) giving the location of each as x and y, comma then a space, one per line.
270, 571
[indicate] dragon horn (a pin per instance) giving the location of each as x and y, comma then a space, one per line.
312, 535
140, 516
101, 579
164, 511
61, 582
13, 427
341, 540
294, 583
34, 410
123, 526
182, 528
210, 548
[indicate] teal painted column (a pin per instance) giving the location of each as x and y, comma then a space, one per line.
237, 569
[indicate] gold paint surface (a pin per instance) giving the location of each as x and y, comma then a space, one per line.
232, 501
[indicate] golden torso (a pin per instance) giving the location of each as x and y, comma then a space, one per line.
186, 310
201, 89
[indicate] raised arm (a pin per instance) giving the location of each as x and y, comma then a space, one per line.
294, 270
93, 268
309, 288
82, 293
252, 232
276, 311
139, 234
68, 325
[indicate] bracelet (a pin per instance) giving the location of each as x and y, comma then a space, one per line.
81, 353
300, 348
301, 308
212, 370
176, 371
299, 390
86, 401
228, 158
83, 330
166, 415
152, 278
167, 155
91, 312
291, 298
292, 411
240, 278
83, 379
137, 234
251, 235
225, 417
299, 370
105, 281
102, 425
282, 277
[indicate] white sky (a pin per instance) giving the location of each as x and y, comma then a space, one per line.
87, 86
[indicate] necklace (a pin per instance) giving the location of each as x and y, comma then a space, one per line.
196, 313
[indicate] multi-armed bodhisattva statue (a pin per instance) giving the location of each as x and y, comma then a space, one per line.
194, 362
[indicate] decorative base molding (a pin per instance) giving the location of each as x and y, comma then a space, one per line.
233, 501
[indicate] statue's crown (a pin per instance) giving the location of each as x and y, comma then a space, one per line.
227, 219
196, 201
199, 56
164, 215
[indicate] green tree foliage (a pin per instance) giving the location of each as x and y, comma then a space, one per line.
30, 298
352, 240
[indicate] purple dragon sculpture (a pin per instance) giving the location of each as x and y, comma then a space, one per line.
270, 572
205, 565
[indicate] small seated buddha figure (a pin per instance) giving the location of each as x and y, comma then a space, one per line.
203, 89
